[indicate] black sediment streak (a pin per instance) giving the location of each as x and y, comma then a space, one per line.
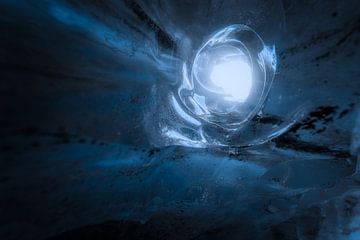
163, 38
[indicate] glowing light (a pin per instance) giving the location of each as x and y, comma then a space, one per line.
222, 88
235, 79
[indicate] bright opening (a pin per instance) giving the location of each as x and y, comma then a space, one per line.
234, 78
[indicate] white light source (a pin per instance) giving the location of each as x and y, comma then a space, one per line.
234, 77
224, 86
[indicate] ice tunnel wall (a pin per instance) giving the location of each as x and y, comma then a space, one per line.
94, 141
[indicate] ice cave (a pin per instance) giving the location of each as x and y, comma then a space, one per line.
180, 120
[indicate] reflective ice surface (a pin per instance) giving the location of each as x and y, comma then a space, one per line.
221, 99
88, 88
223, 85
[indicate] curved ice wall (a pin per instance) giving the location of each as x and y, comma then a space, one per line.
167, 54
167, 49
85, 84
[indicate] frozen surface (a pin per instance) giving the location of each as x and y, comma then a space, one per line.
81, 157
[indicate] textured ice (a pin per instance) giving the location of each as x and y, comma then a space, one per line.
92, 127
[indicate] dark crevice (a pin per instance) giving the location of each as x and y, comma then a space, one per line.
162, 37
289, 142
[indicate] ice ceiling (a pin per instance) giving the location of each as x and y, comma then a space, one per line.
129, 120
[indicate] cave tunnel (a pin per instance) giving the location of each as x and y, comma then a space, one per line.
179, 120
